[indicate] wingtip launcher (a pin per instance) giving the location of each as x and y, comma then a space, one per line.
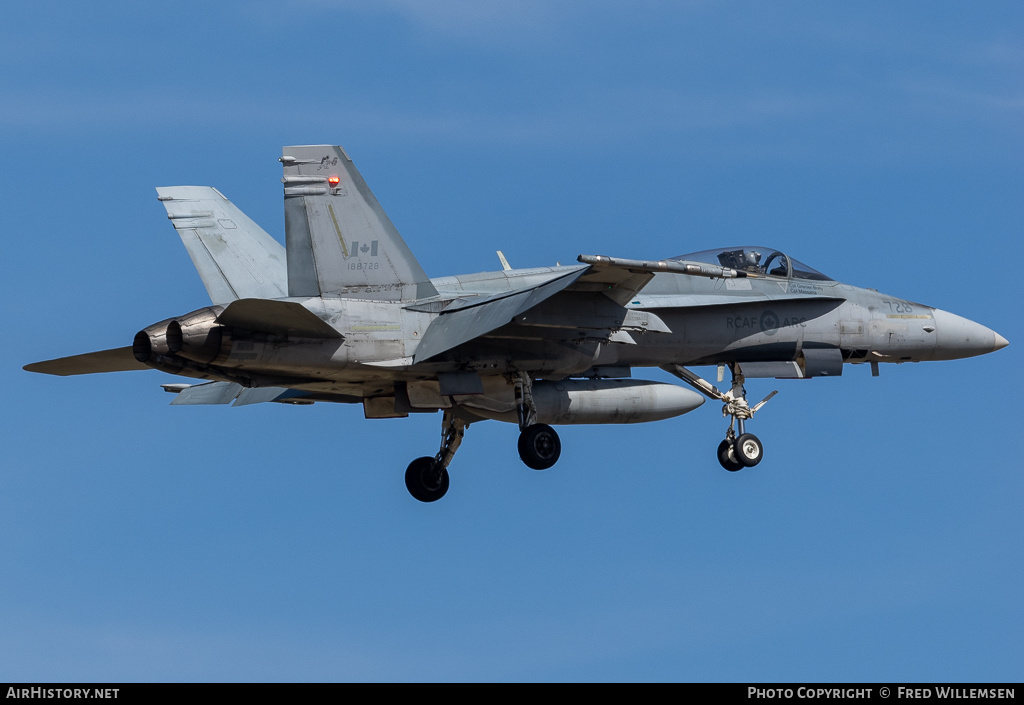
696, 269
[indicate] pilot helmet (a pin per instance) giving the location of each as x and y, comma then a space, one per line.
751, 258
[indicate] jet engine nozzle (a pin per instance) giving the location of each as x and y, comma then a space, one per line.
154, 341
199, 337
154, 346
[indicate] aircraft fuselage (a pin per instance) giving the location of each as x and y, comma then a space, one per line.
345, 313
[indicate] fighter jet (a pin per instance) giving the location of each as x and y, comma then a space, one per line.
344, 313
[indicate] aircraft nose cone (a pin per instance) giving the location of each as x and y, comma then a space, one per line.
959, 337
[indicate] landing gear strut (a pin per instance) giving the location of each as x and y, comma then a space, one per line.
427, 478
539, 446
738, 450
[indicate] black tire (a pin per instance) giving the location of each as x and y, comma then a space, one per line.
539, 446
726, 458
424, 482
748, 450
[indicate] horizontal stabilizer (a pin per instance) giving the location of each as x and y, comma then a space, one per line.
209, 393
116, 360
276, 318
259, 395
235, 257
473, 319
227, 392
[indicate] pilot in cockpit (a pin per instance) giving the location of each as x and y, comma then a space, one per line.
741, 260
751, 261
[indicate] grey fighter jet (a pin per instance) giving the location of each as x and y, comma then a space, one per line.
344, 313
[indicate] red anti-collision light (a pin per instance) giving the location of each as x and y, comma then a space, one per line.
333, 180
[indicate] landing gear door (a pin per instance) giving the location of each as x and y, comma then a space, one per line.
822, 362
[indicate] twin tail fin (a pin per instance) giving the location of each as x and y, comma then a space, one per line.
235, 258
339, 240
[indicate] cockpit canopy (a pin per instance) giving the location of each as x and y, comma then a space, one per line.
765, 261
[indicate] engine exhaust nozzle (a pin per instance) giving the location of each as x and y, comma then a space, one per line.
199, 337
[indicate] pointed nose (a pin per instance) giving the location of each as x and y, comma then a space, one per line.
959, 337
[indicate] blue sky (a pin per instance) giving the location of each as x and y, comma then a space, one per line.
879, 540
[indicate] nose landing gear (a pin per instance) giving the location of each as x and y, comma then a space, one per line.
738, 450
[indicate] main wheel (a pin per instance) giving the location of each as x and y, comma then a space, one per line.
539, 446
727, 457
423, 480
748, 450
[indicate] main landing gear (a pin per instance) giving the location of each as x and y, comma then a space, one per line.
426, 478
738, 450
539, 446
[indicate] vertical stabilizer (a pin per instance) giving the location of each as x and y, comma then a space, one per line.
340, 241
235, 258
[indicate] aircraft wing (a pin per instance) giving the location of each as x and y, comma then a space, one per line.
620, 284
116, 360
619, 280
467, 318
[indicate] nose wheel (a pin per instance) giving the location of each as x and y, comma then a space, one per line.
727, 456
737, 451
748, 450
745, 451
